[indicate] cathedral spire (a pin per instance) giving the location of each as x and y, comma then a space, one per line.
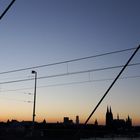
109, 116
110, 110
107, 109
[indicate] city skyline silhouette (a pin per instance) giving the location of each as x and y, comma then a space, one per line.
77, 48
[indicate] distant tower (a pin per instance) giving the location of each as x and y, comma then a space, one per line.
96, 123
109, 117
66, 120
128, 122
77, 120
118, 117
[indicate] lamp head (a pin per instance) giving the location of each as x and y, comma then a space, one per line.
33, 72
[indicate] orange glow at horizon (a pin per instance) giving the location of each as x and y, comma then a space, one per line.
101, 120
55, 111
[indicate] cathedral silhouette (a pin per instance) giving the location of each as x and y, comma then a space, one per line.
117, 123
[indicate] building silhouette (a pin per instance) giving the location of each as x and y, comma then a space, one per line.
117, 123
96, 122
109, 117
77, 120
67, 121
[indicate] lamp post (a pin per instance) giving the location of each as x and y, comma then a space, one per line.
34, 105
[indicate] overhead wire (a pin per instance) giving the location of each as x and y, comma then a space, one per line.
66, 74
67, 61
70, 83
18, 100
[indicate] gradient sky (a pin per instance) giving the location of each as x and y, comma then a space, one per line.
36, 32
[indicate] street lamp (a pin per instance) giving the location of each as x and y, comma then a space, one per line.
34, 72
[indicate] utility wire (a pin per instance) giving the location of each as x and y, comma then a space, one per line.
6, 9
13, 99
67, 61
69, 73
66, 74
62, 84
71, 83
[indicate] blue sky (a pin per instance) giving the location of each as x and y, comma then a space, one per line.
36, 32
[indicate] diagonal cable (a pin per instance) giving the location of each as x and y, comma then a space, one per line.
6, 9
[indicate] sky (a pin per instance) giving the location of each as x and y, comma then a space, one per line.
38, 32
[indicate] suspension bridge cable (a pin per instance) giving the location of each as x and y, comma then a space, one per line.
66, 74
6, 9
67, 61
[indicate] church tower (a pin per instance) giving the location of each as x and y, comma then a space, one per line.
109, 117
